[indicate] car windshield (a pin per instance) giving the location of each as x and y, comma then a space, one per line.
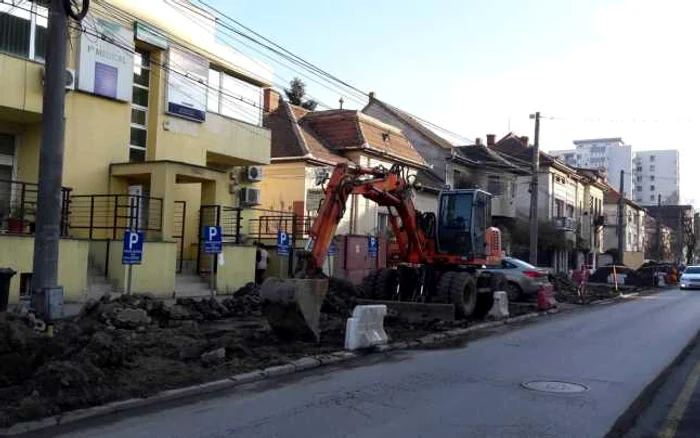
692, 270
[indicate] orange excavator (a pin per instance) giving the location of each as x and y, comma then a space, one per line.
441, 257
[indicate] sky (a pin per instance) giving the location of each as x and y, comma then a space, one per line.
592, 68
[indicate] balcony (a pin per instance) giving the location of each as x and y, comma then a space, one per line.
565, 223
18, 202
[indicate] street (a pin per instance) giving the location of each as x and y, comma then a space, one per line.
474, 390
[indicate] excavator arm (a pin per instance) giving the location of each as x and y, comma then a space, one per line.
388, 188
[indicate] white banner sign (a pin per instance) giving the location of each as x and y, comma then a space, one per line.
106, 66
187, 89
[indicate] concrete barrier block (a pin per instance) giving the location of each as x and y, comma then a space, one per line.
366, 327
499, 310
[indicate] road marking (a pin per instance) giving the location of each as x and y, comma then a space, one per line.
677, 411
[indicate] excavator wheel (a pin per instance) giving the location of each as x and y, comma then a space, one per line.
495, 281
387, 281
463, 294
444, 287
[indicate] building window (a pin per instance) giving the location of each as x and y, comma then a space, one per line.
493, 185
234, 98
639, 168
652, 168
382, 223
639, 178
139, 106
652, 158
651, 198
652, 188
23, 28
651, 177
639, 188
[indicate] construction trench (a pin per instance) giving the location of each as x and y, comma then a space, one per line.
136, 346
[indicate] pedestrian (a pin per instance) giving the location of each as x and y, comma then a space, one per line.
261, 260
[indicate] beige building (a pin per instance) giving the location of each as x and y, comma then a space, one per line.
162, 127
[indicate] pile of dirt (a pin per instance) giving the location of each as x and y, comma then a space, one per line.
563, 284
340, 299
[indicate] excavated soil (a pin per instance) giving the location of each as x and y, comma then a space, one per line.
136, 346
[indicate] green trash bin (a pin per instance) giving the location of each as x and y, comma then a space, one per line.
6, 275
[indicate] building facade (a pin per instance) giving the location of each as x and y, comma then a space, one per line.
657, 174
162, 123
607, 155
634, 233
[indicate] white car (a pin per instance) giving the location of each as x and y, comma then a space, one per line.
690, 278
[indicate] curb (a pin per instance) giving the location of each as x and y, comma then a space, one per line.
299, 365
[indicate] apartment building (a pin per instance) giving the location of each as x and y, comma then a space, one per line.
657, 174
163, 133
607, 155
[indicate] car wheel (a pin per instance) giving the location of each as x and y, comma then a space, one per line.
514, 292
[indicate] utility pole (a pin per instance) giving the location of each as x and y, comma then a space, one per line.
48, 212
621, 220
534, 190
658, 231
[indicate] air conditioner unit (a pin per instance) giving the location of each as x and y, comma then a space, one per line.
250, 196
70, 78
254, 173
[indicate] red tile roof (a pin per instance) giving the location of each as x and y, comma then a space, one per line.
350, 129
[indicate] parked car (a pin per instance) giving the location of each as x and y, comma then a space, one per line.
690, 278
523, 278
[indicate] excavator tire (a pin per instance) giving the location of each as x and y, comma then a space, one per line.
463, 294
369, 284
385, 286
444, 287
495, 282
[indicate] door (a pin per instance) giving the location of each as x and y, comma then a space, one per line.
7, 173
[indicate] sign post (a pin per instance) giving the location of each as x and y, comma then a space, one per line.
212, 245
372, 246
283, 246
132, 253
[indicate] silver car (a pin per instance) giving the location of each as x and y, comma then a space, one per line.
690, 278
523, 278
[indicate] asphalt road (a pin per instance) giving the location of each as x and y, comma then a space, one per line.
471, 391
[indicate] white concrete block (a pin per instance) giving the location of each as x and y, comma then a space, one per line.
499, 310
366, 327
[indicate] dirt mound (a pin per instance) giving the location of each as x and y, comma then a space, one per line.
340, 299
245, 301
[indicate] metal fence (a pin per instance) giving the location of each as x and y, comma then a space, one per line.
269, 223
106, 216
18, 204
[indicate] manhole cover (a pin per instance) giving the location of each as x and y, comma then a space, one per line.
554, 387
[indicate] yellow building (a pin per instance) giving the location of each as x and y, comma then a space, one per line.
163, 133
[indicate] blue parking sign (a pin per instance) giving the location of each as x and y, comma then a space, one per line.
283, 243
372, 246
132, 248
332, 249
212, 239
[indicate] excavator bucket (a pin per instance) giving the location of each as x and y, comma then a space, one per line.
293, 307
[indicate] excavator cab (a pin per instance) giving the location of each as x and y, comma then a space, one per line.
463, 218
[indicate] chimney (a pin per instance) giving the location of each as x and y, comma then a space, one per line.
271, 100
490, 140
525, 141
371, 96
477, 141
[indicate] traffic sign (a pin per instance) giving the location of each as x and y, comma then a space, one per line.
372, 246
283, 243
332, 249
212, 239
132, 251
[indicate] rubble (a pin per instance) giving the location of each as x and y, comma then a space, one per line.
213, 357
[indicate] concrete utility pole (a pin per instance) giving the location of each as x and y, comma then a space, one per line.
658, 231
534, 190
48, 212
621, 221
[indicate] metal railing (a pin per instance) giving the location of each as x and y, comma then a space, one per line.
18, 204
565, 223
267, 225
106, 216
